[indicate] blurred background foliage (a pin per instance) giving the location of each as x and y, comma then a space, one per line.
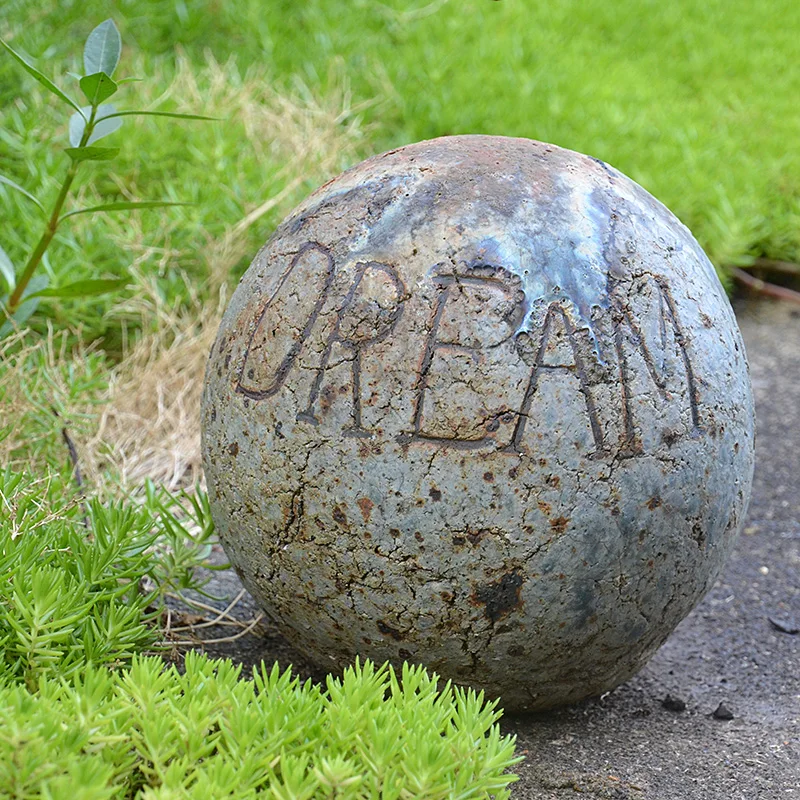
698, 102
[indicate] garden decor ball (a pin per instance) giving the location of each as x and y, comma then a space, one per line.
480, 403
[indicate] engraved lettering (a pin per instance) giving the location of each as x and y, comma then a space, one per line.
469, 344
546, 359
479, 377
654, 355
302, 289
370, 311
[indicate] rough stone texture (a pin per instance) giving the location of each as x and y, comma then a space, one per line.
480, 403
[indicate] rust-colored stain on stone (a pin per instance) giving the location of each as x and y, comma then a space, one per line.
388, 630
366, 505
489, 395
559, 524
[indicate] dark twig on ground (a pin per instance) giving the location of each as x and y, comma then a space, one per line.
766, 288
76, 467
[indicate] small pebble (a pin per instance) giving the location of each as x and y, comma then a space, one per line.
723, 712
789, 626
673, 703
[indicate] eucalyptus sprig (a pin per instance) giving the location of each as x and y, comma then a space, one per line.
87, 125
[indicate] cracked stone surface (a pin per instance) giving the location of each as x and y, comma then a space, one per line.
480, 403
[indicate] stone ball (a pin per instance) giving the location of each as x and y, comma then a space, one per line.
480, 403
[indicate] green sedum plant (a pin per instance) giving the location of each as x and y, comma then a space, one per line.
82, 582
154, 732
87, 125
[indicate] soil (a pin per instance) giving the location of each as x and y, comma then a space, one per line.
733, 656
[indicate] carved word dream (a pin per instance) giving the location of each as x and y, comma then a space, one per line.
464, 370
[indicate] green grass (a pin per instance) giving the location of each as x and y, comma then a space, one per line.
695, 101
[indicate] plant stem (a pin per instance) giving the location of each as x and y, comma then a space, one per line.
52, 224
44, 242
764, 287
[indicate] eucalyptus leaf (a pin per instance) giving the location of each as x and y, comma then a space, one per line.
77, 125
97, 87
9, 182
28, 305
46, 82
161, 114
123, 206
78, 154
86, 288
101, 53
105, 123
7, 270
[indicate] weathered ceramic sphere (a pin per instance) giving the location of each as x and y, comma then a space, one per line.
480, 403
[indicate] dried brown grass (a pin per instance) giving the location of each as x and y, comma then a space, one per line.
146, 424
149, 425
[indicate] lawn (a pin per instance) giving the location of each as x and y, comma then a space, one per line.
697, 102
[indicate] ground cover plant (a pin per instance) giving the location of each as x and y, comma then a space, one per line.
82, 584
80, 579
204, 732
